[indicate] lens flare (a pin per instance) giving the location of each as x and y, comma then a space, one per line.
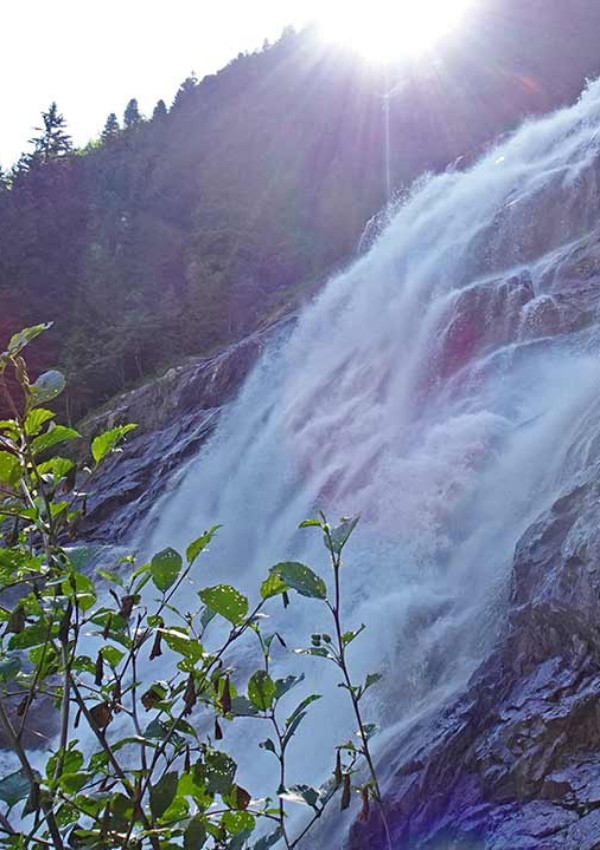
382, 30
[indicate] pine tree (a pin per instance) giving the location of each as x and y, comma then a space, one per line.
3, 180
160, 111
111, 128
132, 117
186, 88
54, 142
19, 170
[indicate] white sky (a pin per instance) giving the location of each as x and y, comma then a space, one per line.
92, 57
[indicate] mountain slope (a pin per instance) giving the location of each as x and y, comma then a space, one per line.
185, 233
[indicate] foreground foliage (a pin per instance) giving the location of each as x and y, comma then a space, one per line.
143, 764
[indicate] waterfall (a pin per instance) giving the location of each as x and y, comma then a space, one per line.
435, 387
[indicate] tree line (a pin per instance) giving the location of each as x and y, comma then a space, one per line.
54, 141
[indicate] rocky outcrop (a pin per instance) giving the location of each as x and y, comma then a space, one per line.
515, 764
175, 414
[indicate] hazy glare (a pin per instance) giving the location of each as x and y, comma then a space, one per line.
93, 57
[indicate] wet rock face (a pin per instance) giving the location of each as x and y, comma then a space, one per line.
482, 316
515, 764
175, 415
486, 317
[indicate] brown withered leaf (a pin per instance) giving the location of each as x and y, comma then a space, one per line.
106, 629
338, 770
101, 715
242, 798
366, 806
226, 697
16, 622
116, 696
65, 624
127, 603
151, 699
24, 704
99, 672
346, 793
190, 696
156, 646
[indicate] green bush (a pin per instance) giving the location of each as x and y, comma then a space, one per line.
153, 779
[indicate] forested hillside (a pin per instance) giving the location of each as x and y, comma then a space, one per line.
173, 235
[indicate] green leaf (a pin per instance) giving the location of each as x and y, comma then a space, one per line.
268, 745
181, 643
348, 637
311, 523
370, 729
9, 667
303, 794
72, 762
198, 791
371, 679
282, 686
14, 788
10, 469
106, 443
195, 834
163, 793
236, 822
218, 770
261, 690
72, 783
201, 543
273, 586
32, 636
47, 387
19, 341
302, 579
242, 707
112, 655
52, 437
82, 587
159, 730
11, 429
240, 841
269, 840
341, 534
177, 811
165, 568
301, 708
80, 557
208, 615
113, 578
58, 466
292, 727
226, 601
36, 420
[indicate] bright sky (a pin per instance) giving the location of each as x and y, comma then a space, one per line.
92, 57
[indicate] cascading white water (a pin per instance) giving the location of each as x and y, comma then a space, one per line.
424, 390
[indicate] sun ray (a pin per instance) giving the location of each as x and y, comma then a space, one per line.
383, 31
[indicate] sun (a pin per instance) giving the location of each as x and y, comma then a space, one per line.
382, 30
